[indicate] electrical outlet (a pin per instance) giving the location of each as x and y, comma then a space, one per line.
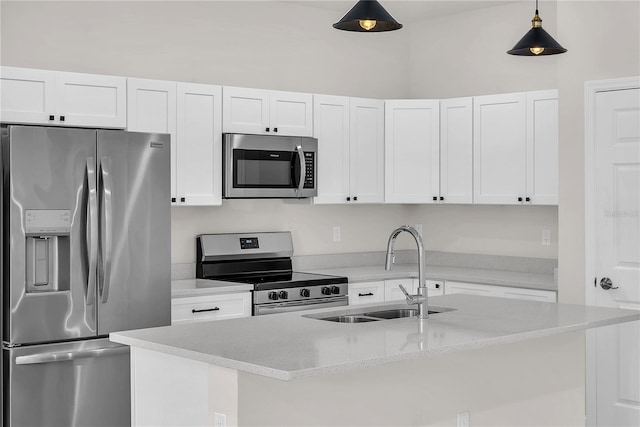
336, 233
546, 237
463, 419
418, 228
219, 420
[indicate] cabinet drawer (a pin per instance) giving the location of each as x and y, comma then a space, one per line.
366, 292
210, 307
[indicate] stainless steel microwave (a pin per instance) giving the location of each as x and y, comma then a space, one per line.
261, 166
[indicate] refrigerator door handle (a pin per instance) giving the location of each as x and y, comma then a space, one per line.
107, 187
64, 356
93, 230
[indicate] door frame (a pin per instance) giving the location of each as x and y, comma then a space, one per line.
592, 88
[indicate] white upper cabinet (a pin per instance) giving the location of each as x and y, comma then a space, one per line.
412, 151
192, 115
456, 150
516, 148
542, 147
199, 148
350, 134
60, 98
331, 128
366, 150
499, 138
267, 112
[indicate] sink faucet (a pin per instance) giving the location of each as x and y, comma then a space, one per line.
421, 298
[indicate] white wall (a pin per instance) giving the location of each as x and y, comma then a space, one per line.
282, 45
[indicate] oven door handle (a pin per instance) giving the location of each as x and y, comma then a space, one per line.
285, 307
303, 170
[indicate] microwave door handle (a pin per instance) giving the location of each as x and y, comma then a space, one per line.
302, 169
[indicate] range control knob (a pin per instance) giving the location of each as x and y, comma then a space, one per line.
273, 295
304, 293
283, 294
335, 289
326, 290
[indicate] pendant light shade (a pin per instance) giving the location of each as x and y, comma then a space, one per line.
537, 41
367, 16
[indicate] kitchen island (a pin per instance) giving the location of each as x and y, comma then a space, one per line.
504, 361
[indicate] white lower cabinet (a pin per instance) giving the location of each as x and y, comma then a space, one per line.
210, 307
499, 291
389, 290
366, 292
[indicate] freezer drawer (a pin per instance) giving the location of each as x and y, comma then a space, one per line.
81, 384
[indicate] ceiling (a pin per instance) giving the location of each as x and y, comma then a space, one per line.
410, 10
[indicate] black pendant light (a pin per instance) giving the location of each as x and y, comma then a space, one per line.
537, 41
367, 16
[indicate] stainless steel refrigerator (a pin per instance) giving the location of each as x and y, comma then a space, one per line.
85, 252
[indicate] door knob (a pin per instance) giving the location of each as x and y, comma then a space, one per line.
606, 284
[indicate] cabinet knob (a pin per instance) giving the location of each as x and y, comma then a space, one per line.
519, 199
183, 199
62, 118
437, 285
173, 200
435, 198
275, 129
441, 197
348, 199
267, 129
355, 199
51, 117
528, 199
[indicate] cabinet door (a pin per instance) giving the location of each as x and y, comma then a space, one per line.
366, 292
27, 96
151, 107
210, 307
91, 100
199, 148
542, 147
499, 138
392, 291
291, 113
412, 151
366, 150
331, 128
456, 150
245, 110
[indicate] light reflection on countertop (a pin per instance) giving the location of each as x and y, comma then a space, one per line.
290, 346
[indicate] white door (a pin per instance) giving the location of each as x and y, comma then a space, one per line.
412, 151
199, 155
456, 150
367, 150
27, 96
91, 100
331, 128
151, 107
613, 194
291, 113
499, 157
542, 147
246, 111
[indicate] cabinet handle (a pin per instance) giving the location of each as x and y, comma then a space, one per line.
348, 199
441, 197
205, 309
528, 199
435, 198
275, 129
520, 199
437, 285
355, 199
183, 199
370, 294
267, 129
52, 117
173, 200
62, 118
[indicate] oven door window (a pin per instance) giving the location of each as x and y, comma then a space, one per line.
265, 169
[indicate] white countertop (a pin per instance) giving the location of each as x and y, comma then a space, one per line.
290, 346
516, 279
198, 287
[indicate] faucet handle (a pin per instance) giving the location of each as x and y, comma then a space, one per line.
406, 294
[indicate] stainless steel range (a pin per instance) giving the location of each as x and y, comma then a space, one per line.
264, 261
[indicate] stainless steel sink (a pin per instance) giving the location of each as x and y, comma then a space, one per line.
373, 314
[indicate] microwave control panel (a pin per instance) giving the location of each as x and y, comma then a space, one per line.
309, 160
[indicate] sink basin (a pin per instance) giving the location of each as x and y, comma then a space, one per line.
349, 319
372, 315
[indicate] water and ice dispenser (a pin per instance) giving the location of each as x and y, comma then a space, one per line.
48, 250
